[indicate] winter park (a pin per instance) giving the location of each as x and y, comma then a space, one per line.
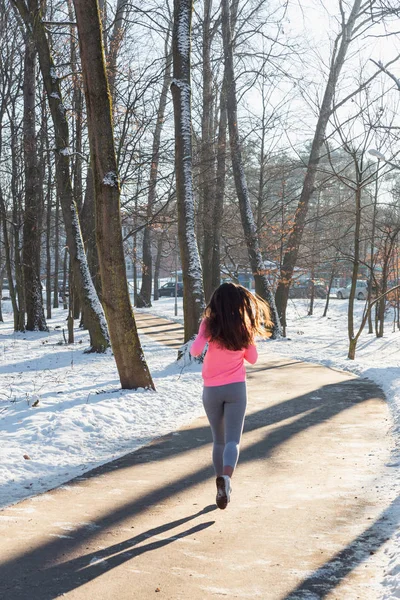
199, 299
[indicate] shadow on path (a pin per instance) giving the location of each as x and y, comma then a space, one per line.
327, 577
20, 573
63, 577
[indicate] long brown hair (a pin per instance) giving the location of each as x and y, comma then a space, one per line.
234, 316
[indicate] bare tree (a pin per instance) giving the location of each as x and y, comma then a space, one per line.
207, 157
144, 296
32, 227
131, 364
193, 296
11, 81
220, 182
31, 14
250, 232
360, 15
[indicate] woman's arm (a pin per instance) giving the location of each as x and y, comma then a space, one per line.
251, 354
201, 340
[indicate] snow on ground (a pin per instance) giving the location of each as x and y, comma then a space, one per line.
83, 419
325, 341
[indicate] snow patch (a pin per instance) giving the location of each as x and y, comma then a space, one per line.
111, 179
83, 419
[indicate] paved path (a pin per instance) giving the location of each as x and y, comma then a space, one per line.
306, 520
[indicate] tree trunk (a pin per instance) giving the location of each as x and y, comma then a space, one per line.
261, 177
246, 213
87, 218
45, 151
71, 298
132, 367
313, 257
56, 252
77, 304
397, 271
352, 349
144, 296
312, 295
372, 260
356, 262
48, 245
207, 158
115, 43
389, 245
77, 103
157, 264
331, 278
17, 225
135, 270
193, 296
7, 251
219, 190
143, 299
7, 238
93, 310
292, 248
77, 112
32, 227
2, 271
65, 279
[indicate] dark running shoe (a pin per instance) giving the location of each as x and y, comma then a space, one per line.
223, 491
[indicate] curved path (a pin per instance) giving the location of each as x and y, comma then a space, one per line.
308, 517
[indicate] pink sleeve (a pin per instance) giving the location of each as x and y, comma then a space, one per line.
201, 339
251, 354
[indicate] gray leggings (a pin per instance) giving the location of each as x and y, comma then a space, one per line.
225, 407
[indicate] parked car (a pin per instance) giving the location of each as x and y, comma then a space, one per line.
361, 290
168, 289
303, 289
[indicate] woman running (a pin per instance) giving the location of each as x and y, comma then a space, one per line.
232, 319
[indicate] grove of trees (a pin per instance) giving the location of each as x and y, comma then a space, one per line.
255, 140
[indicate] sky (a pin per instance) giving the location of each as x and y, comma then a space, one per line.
313, 24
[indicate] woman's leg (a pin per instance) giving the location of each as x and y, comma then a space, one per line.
234, 413
214, 408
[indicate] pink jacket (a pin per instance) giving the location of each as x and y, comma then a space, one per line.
222, 366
